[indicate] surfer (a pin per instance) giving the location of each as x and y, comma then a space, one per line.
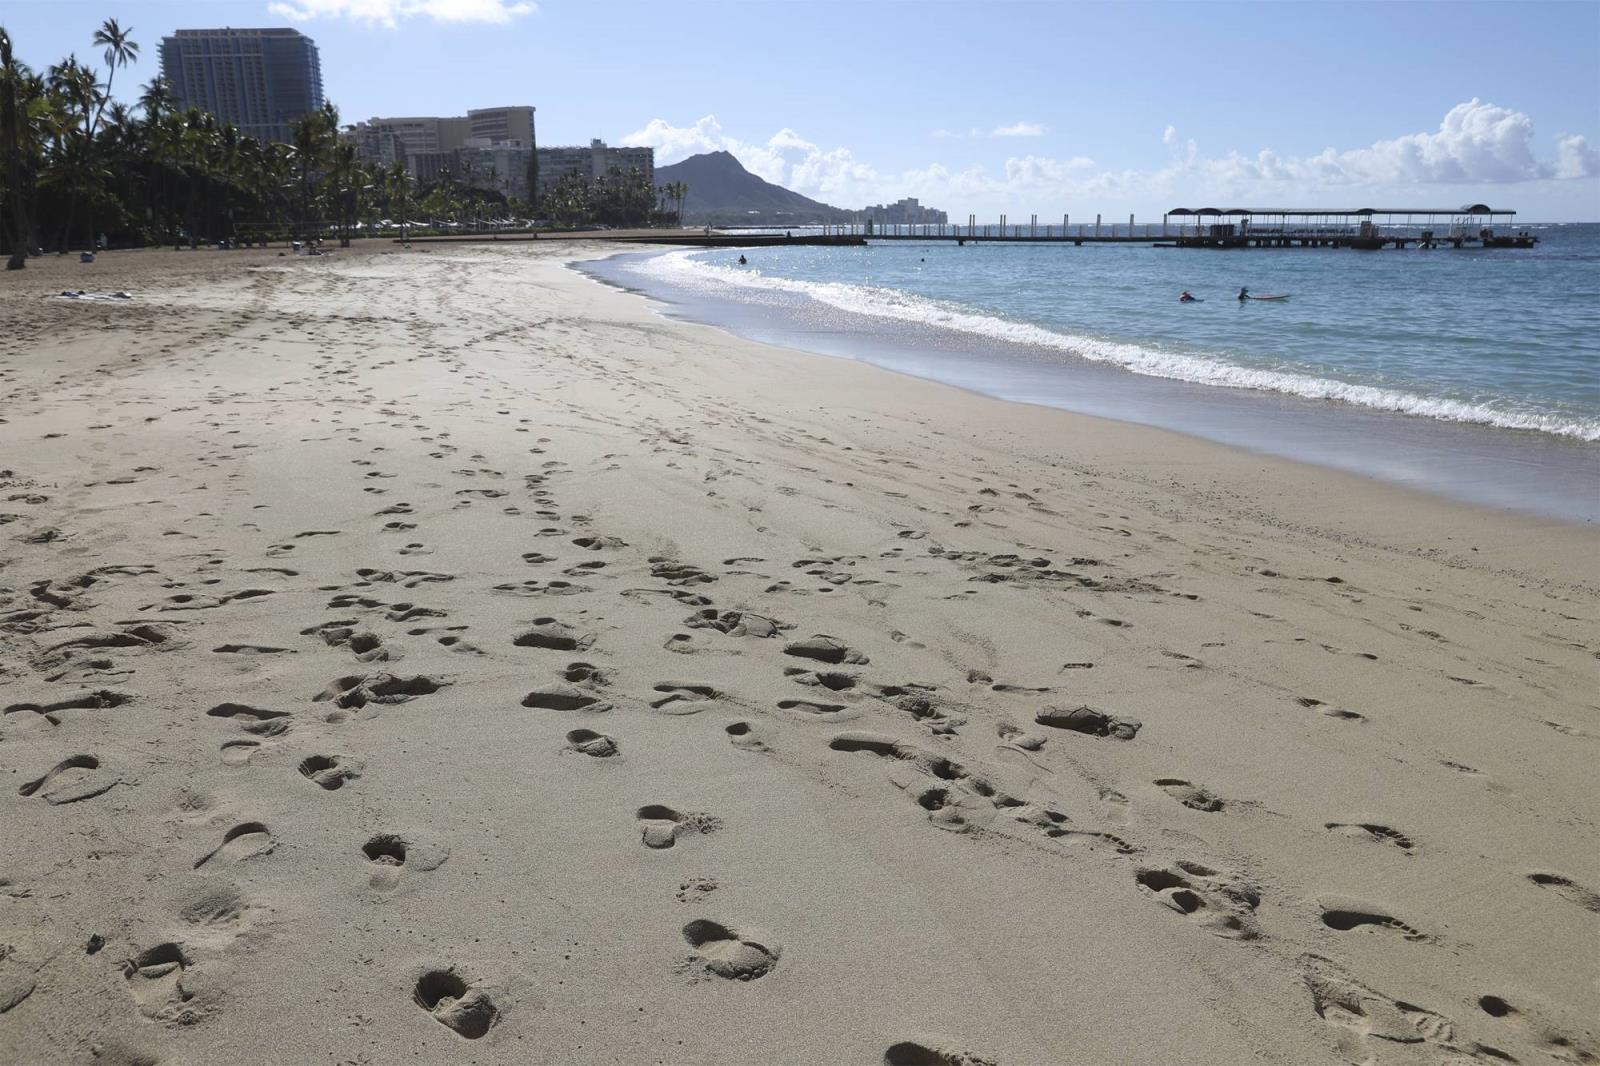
1186, 297
1244, 294
743, 261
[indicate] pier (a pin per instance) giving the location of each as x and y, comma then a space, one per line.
1364, 229
1361, 229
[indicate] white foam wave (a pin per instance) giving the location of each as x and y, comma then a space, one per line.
681, 268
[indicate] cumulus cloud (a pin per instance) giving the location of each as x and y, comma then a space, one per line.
1575, 159
390, 13
673, 143
1018, 129
1475, 142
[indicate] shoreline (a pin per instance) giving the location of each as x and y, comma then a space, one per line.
456, 627
1545, 475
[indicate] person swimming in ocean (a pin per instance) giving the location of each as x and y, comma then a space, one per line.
1186, 297
1244, 294
743, 261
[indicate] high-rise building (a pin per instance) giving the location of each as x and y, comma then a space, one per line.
499, 125
902, 211
258, 80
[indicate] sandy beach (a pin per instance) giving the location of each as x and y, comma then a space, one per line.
439, 656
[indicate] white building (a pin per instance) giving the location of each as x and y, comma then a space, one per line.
593, 162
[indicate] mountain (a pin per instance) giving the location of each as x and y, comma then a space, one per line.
722, 192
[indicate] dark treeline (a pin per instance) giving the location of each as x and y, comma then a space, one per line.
77, 166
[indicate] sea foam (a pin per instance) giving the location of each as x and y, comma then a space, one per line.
686, 270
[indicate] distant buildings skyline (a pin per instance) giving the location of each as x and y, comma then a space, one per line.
488, 148
259, 80
262, 79
906, 211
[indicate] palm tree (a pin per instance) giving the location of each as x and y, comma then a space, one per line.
77, 95
311, 137
14, 101
680, 192
397, 188
120, 50
156, 98
346, 181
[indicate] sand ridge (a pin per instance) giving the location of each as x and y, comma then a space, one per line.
439, 655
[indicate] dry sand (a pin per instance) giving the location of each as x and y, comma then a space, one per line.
438, 656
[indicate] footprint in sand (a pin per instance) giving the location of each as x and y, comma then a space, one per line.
553, 635
388, 853
51, 712
736, 623
455, 1004
1373, 831
1343, 1002
1567, 889
251, 649
1090, 722
684, 697
1224, 905
358, 690
595, 544
1014, 736
155, 977
931, 1053
588, 742
832, 680
253, 720
660, 826
564, 697
331, 771
1347, 915
244, 841
238, 752
824, 648
75, 778
585, 674
744, 735
735, 955
828, 712
1192, 796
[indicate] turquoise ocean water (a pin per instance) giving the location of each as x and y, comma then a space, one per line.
1435, 368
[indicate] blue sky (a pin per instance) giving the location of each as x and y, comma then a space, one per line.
982, 106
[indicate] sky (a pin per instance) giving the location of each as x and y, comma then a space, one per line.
983, 106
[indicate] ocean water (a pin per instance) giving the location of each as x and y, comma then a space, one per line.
1471, 372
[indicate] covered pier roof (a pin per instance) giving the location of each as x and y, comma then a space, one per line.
1333, 212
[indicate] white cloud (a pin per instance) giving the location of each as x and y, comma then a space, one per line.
673, 143
390, 13
1476, 144
788, 138
1575, 159
1018, 129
